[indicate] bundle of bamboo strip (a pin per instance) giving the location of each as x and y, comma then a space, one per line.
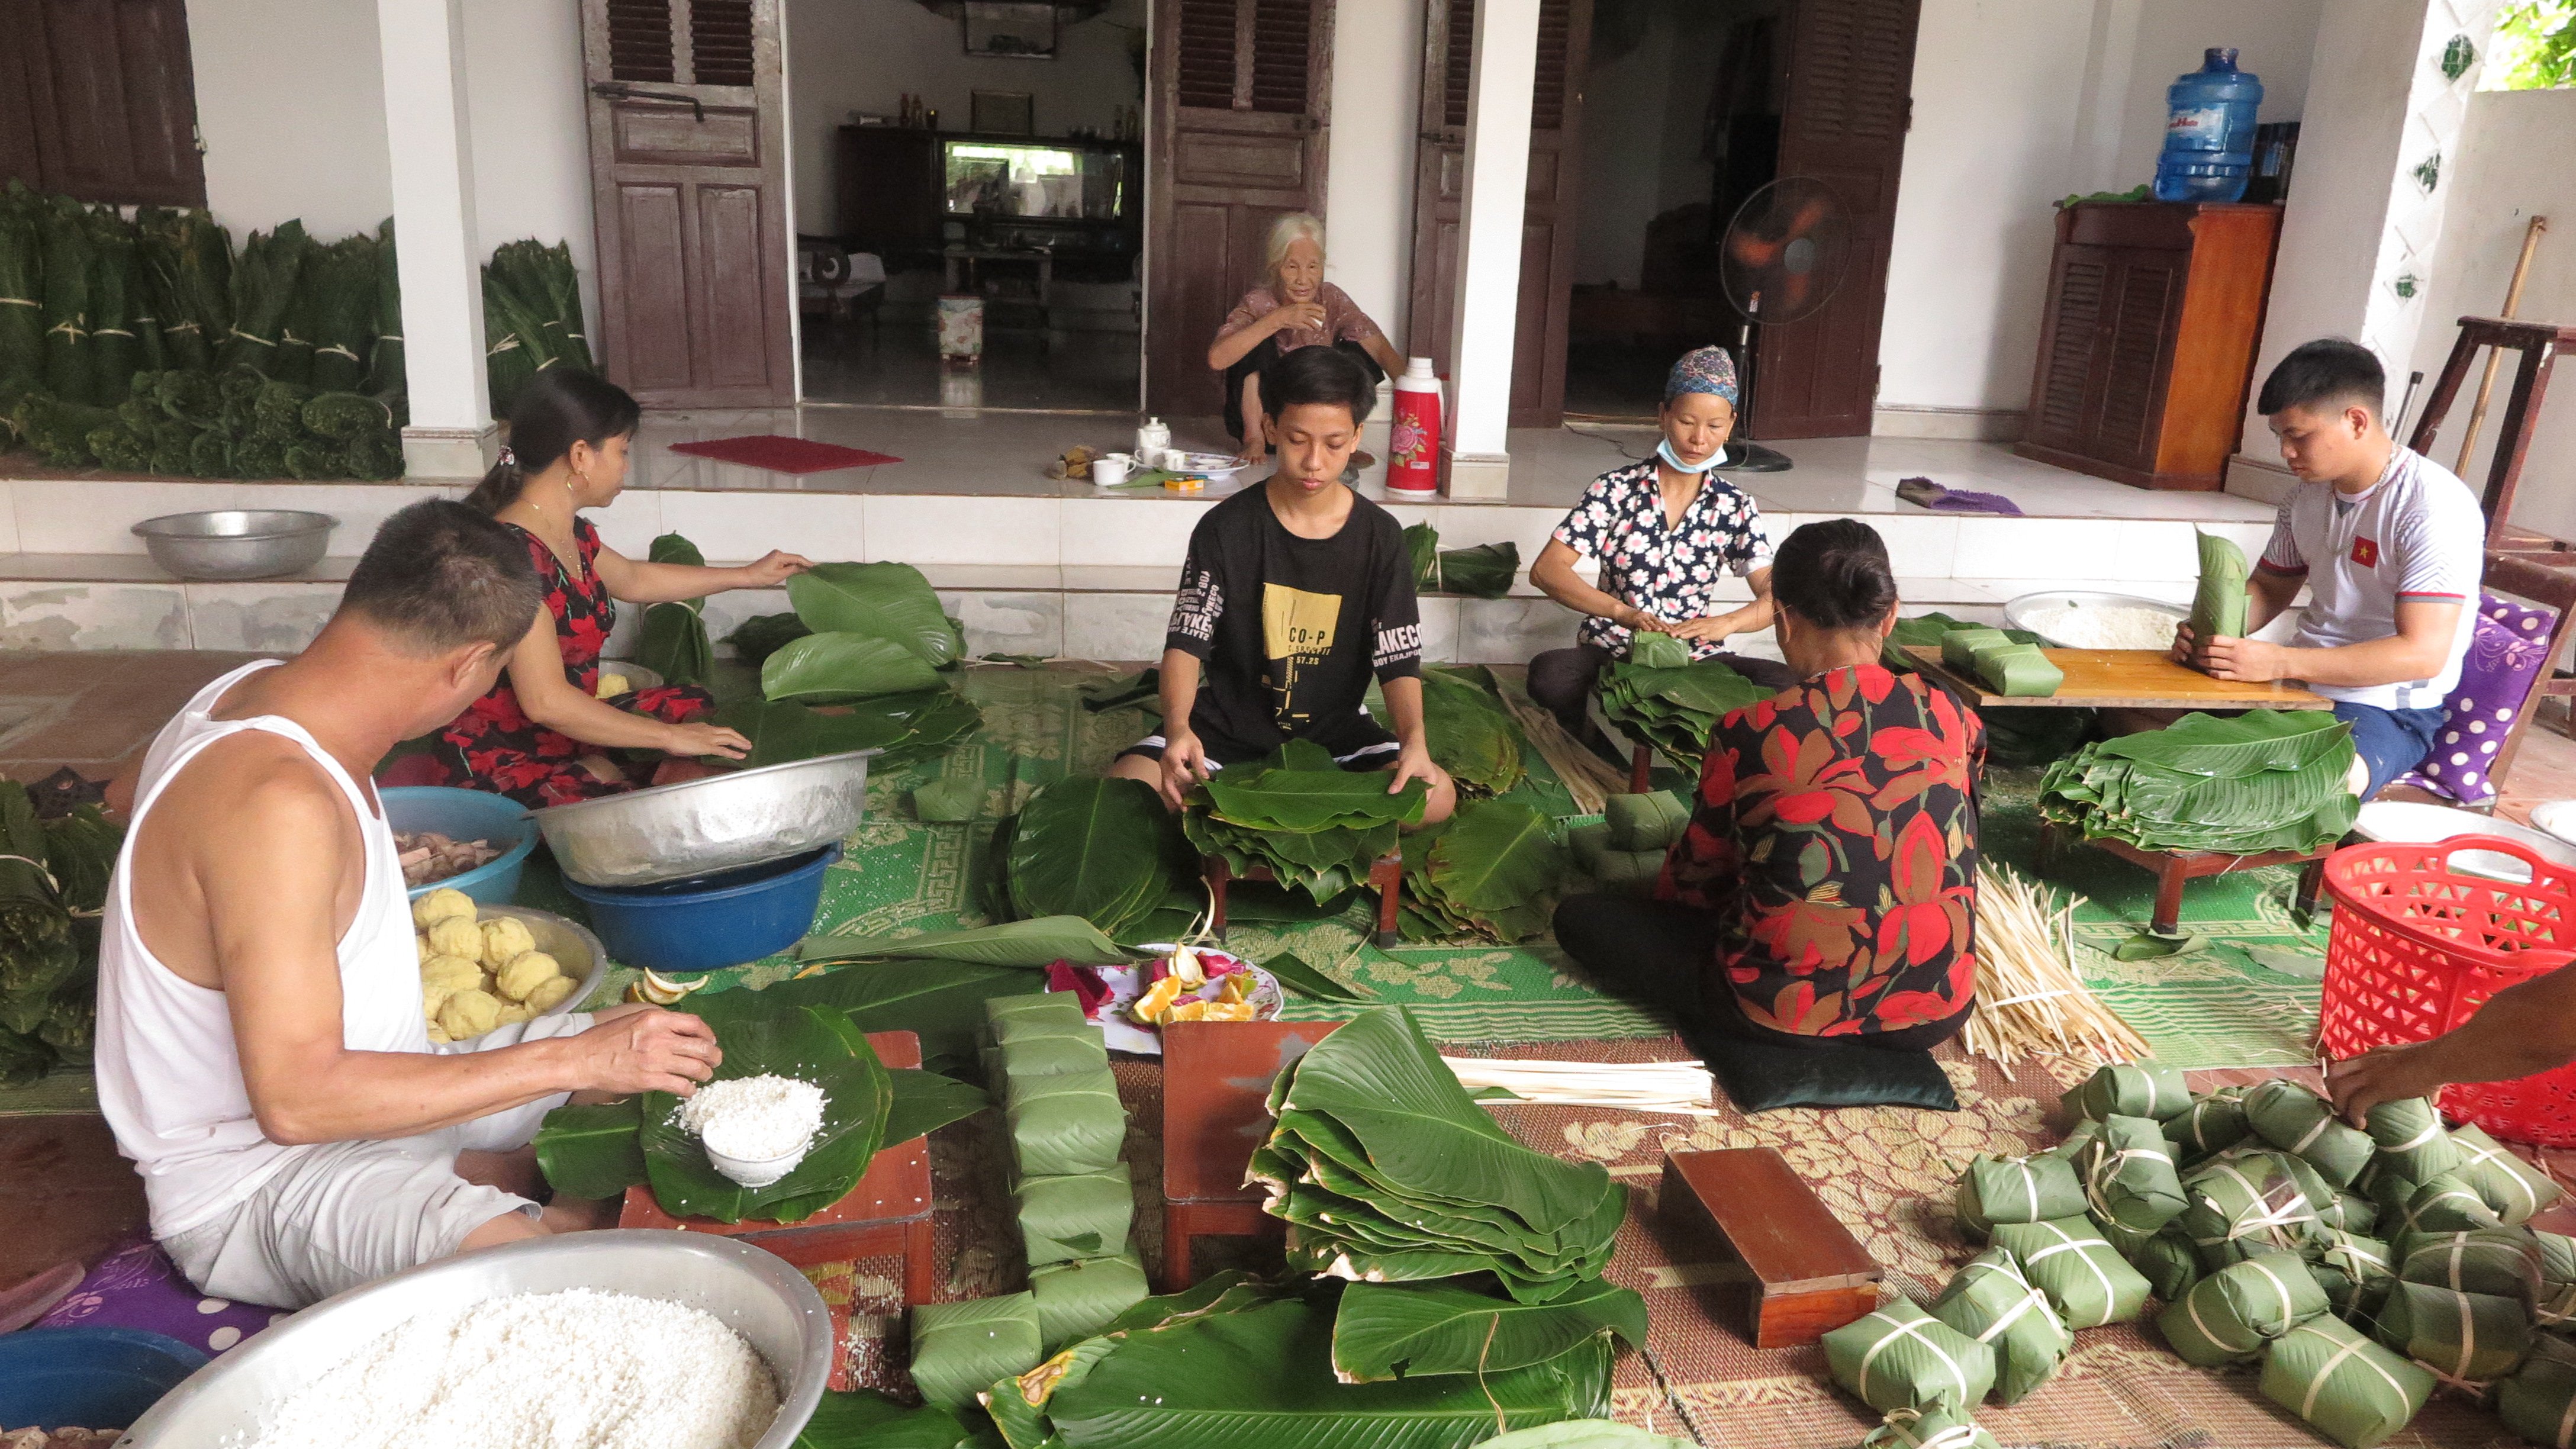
1683, 1087
2030, 1002
1585, 775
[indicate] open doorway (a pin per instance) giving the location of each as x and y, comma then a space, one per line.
1682, 105
969, 201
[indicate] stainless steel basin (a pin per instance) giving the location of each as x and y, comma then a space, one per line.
700, 827
237, 543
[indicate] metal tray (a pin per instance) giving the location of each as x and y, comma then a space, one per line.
2018, 611
701, 827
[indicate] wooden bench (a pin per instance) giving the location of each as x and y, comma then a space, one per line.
887, 1213
1799, 1273
1386, 876
1216, 1085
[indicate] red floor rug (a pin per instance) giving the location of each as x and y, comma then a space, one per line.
784, 455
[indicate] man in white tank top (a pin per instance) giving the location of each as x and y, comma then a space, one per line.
261, 1051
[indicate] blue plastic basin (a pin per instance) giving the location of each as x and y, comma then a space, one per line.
710, 921
95, 1378
468, 815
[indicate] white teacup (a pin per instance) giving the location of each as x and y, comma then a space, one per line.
1110, 469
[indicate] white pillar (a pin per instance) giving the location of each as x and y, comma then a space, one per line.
423, 49
1489, 247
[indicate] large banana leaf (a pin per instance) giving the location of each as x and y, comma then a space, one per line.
890, 601
2264, 781
902, 725
1492, 868
942, 1001
2259, 739
1301, 789
591, 1150
866, 1419
1379, 1079
674, 643
2218, 605
1422, 547
1482, 572
1105, 850
837, 668
1471, 735
1385, 1332
1262, 1378
759, 1037
1038, 942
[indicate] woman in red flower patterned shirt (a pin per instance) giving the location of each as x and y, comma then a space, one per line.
542, 736
1826, 887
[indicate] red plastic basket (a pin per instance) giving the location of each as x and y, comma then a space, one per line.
2417, 947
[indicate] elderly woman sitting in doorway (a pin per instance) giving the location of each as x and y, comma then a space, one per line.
1293, 308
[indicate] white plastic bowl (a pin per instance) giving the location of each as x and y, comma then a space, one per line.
757, 1171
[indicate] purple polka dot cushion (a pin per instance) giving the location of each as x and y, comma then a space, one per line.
137, 1286
2509, 649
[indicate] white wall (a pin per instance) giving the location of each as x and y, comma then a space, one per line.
1368, 171
865, 55
2016, 104
2496, 193
291, 103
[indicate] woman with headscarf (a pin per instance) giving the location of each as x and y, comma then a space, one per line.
1293, 307
1663, 530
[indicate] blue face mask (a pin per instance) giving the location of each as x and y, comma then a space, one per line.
1664, 450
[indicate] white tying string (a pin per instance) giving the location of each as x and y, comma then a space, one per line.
336, 350
19, 302
2431, 1130
2191, 1306
2110, 1295
2316, 1386
1905, 1330
2567, 1423
1903, 1422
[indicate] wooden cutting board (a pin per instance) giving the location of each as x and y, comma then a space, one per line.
2122, 679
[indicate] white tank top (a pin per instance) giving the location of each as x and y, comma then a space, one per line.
169, 1078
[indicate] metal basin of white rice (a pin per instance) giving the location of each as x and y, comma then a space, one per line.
2086, 619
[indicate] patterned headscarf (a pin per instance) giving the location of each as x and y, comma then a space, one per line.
1709, 370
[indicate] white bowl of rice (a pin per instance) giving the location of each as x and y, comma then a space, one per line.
2083, 619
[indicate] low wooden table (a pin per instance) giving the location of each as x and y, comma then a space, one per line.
2121, 679
1216, 1085
888, 1212
1386, 876
2173, 868
1802, 1273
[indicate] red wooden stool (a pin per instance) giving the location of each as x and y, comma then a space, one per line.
1216, 1082
887, 1213
1641, 770
1386, 876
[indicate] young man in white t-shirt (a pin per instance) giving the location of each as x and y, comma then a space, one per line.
2392, 546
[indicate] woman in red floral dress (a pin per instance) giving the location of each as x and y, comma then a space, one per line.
542, 736
1826, 887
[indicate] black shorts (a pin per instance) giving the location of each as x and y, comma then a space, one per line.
1357, 742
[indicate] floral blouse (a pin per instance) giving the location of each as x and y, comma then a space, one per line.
1836, 832
1671, 573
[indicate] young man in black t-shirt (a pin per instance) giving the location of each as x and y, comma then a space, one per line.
1293, 594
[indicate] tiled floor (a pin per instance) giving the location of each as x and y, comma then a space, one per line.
94, 709
898, 364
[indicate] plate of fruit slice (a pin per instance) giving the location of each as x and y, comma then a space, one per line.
1178, 983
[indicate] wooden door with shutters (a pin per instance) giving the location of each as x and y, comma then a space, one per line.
688, 190
1242, 104
1851, 78
1548, 207
98, 100
2105, 352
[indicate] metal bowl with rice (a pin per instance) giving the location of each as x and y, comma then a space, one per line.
2090, 619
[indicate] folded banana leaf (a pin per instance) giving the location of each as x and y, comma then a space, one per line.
1652, 821
1313, 824
2017, 1190
959, 1349
2349, 1213
2242, 1206
593, 1150
1078, 1299
2019, 671
1387, 1331
2133, 1089
1101, 849
2129, 1175
2230, 1315
2502, 1262
762, 635
810, 1045
65, 272
1901, 1357
115, 299
2355, 1271
2470, 1338
1659, 696
2212, 1124
1300, 978
1482, 572
1065, 1125
22, 310
1492, 869
2556, 1304
888, 600
2538, 1402
264, 279
1990, 1301
1470, 733
1031, 1015
2297, 1120
1082, 1216
2512, 1187
2168, 1261
2446, 1204
1959, 646
2084, 1277
2218, 604
2412, 1140
2347, 1387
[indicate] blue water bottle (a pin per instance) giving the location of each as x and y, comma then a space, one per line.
2209, 131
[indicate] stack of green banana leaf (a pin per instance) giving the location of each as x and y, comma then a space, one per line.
1389, 1175
868, 674
1313, 824
1658, 695
264, 279
531, 317
2014, 737
2263, 781
188, 268
53, 884
1490, 872
1482, 572
1471, 735
22, 307
335, 314
1105, 850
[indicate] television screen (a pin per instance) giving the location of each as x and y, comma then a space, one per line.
999, 178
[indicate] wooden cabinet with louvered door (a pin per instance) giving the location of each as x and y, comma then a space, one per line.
2146, 351
1239, 105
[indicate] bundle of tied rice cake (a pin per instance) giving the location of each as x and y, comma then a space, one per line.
2466, 1338
2228, 1316
1086, 1215
2129, 1175
2445, 1204
2513, 1188
2240, 1208
1959, 647
2168, 1261
2018, 671
2211, 1125
1076, 1300
2539, 1401
2355, 1271
1065, 1125
2084, 1277
2132, 1089
2345, 1386
1990, 1301
2412, 1141
2504, 1262
2298, 1121
2017, 1190
961, 1349
2557, 1302
1926, 1429
1901, 1357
